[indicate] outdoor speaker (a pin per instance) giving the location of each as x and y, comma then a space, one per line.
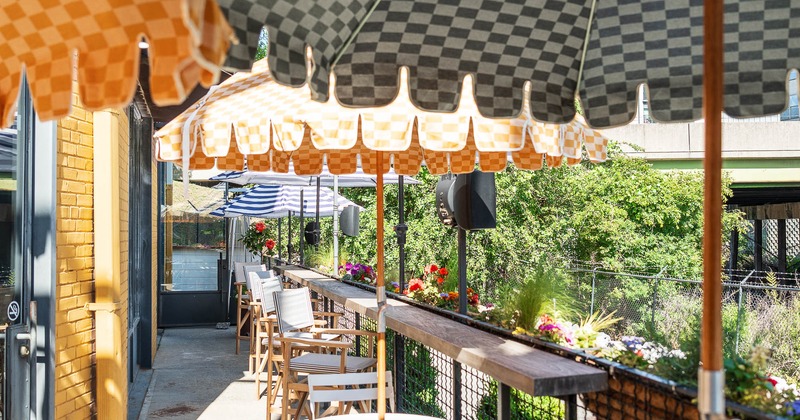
312, 233
444, 201
475, 201
348, 221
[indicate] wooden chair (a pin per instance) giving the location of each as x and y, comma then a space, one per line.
316, 355
265, 326
267, 356
242, 299
350, 388
254, 296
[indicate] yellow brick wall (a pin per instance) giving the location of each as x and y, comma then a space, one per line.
124, 163
75, 331
75, 328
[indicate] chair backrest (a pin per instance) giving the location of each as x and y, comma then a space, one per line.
238, 270
254, 281
293, 309
268, 286
253, 269
353, 387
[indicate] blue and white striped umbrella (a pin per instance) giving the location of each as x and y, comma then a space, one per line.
274, 201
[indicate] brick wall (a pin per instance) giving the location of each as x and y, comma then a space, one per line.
74, 264
124, 164
75, 326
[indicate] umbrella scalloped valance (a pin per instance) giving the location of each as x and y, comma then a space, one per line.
251, 118
188, 41
603, 50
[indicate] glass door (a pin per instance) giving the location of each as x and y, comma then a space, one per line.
15, 332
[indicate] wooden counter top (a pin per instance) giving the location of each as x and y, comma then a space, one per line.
533, 371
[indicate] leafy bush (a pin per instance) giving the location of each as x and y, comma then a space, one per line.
523, 406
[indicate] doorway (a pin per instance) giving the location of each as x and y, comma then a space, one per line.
193, 280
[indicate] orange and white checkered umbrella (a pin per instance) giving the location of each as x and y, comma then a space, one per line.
49, 39
251, 118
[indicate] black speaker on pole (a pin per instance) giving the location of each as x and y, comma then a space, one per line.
475, 201
311, 233
348, 221
444, 201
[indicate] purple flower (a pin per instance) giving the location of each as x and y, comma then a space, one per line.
794, 408
396, 285
548, 327
444, 295
348, 266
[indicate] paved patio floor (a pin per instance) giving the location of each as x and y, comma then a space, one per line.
196, 375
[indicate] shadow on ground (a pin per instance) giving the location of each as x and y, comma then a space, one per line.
196, 375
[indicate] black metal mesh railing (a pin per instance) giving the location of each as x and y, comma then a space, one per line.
427, 382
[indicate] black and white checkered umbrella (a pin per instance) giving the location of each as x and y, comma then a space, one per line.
697, 58
600, 49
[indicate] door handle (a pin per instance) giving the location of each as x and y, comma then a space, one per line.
24, 350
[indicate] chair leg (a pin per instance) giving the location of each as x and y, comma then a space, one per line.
259, 368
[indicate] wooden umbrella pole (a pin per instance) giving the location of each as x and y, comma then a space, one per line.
711, 375
381, 294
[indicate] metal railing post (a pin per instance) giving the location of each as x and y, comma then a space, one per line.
456, 389
503, 401
740, 311
399, 370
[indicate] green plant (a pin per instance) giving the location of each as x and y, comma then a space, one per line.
320, 257
523, 406
258, 240
590, 328
421, 382
541, 292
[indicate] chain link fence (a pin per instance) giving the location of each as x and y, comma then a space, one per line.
759, 309
427, 382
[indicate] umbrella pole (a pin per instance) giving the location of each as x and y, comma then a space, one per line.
302, 227
280, 222
711, 377
381, 294
336, 224
289, 239
317, 233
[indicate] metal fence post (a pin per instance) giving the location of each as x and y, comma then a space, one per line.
740, 311
594, 281
655, 299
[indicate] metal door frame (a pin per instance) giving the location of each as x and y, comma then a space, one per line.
33, 369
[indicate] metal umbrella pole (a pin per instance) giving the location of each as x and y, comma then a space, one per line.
336, 223
302, 227
289, 234
317, 233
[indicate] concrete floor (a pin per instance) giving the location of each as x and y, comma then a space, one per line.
196, 375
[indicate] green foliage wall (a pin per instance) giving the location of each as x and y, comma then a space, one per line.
619, 214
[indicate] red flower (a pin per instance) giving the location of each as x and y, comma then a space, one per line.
414, 285
772, 380
270, 244
431, 268
439, 280
260, 226
443, 271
